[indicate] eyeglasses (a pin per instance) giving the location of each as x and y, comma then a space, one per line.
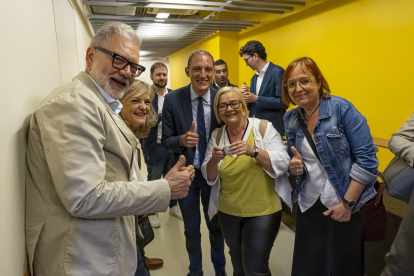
233, 104
119, 62
303, 82
247, 59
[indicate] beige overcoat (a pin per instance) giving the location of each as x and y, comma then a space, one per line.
80, 196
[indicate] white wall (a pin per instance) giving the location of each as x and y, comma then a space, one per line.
33, 62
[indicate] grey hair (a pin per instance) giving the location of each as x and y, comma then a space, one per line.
105, 33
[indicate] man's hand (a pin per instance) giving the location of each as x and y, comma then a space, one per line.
190, 139
295, 164
218, 154
250, 97
339, 212
179, 179
244, 88
242, 147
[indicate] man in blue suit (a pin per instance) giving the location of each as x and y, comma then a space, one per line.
264, 98
188, 121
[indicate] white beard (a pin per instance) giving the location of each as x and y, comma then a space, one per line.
104, 82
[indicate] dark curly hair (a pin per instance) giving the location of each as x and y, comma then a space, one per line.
252, 47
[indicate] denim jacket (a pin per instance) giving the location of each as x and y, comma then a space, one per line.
344, 144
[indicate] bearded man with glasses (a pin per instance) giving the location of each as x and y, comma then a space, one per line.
82, 188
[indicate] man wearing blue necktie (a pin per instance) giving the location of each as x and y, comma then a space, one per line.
188, 120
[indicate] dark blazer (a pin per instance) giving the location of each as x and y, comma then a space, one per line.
177, 118
214, 85
269, 105
149, 144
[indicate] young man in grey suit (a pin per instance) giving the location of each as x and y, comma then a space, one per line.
188, 120
264, 97
81, 188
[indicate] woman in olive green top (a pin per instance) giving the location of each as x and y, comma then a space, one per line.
247, 183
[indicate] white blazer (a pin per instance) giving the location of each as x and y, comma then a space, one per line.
272, 143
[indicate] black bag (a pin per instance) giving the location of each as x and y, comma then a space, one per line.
374, 217
399, 179
143, 230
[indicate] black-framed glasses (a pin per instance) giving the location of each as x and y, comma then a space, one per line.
119, 62
233, 104
303, 82
247, 59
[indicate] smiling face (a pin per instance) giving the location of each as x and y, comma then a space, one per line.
136, 108
200, 73
221, 74
160, 77
99, 66
232, 117
308, 97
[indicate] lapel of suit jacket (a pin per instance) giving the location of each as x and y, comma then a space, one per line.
253, 84
126, 132
213, 123
155, 102
267, 76
187, 107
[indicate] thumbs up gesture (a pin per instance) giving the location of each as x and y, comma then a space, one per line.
190, 139
179, 178
244, 88
295, 164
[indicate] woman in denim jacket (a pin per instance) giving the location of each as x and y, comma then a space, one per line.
331, 191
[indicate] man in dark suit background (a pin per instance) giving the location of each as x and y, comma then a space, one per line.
188, 120
221, 75
264, 97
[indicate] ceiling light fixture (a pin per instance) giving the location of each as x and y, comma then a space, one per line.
162, 15
159, 20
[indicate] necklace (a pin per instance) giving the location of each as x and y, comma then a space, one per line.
313, 111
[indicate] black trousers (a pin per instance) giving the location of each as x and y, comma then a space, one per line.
324, 246
250, 240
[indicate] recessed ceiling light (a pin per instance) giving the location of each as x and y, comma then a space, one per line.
159, 20
162, 15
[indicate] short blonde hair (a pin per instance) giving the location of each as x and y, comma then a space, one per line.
226, 90
139, 88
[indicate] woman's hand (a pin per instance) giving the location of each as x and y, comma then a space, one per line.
295, 164
242, 147
339, 213
218, 154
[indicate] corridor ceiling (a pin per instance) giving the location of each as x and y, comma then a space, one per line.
188, 21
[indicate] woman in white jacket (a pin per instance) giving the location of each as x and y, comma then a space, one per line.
246, 164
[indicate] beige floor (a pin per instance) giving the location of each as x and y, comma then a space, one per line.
169, 245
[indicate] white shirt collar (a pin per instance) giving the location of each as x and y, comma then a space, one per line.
264, 68
115, 105
218, 85
194, 96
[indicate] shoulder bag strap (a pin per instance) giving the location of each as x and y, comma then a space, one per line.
219, 133
307, 134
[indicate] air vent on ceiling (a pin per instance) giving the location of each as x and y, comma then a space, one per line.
171, 11
114, 10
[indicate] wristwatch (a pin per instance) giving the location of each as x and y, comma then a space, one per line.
350, 204
255, 151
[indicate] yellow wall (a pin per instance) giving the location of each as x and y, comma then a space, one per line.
364, 48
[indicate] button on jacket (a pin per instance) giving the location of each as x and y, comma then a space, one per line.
344, 144
80, 192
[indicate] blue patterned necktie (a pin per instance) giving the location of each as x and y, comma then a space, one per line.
201, 130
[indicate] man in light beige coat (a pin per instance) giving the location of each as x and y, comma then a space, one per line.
81, 189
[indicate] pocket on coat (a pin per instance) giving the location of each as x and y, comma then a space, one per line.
91, 247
